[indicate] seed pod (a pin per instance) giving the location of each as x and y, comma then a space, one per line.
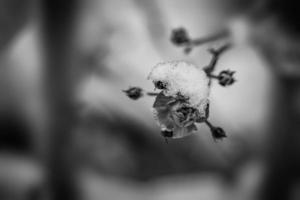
134, 93
179, 37
167, 133
226, 78
218, 133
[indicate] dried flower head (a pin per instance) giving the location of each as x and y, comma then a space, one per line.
184, 88
134, 93
176, 116
183, 100
218, 133
226, 78
179, 37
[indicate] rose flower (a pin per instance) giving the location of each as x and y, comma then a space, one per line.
183, 100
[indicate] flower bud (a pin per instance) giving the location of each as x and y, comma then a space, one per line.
226, 78
179, 36
134, 93
218, 133
167, 133
160, 85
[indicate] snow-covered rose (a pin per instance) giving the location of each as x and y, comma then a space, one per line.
183, 100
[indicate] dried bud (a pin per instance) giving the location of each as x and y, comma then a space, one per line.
160, 85
167, 133
134, 93
218, 133
179, 36
226, 78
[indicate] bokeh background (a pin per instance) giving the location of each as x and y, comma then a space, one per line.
115, 142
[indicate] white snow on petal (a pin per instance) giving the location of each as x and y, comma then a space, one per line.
184, 78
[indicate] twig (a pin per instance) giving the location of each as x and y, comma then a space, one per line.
200, 41
181, 38
208, 124
58, 23
216, 53
152, 93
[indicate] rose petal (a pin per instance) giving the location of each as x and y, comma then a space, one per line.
180, 132
164, 119
162, 100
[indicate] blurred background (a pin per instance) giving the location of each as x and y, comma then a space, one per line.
67, 131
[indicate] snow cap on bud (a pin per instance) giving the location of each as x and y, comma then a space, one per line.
226, 78
134, 93
179, 36
160, 85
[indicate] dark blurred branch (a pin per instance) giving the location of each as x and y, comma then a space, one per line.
282, 159
10, 22
180, 37
58, 19
211, 38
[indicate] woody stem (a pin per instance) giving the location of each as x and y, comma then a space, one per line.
216, 53
152, 93
209, 124
213, 76
211, 38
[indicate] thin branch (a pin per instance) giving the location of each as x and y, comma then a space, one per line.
181, 38
212, 76
208, 124
152, 93
200, 41
216, 53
